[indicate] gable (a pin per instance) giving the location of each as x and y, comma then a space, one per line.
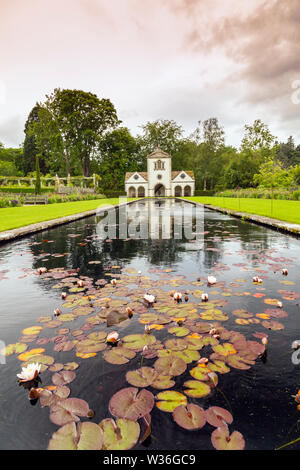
136, 177
188, 176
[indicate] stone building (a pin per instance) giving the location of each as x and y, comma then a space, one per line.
159, 180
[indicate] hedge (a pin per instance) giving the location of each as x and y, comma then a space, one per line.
22, 190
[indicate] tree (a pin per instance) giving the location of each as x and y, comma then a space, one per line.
119, 154
163, 133
272, 175
37, 176
70, 127
29, 146
257, 137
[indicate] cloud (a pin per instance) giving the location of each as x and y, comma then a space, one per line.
11, 131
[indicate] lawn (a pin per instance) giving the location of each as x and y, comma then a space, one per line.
15, 217
288, 211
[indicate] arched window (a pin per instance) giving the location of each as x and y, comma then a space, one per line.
178, 191
159, 165
132, 191
141, 191
187, 191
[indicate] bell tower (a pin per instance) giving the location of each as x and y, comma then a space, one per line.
159, 168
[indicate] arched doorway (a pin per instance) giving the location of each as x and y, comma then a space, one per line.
141, 191
187, 191
131, 191
178, 191
159, 190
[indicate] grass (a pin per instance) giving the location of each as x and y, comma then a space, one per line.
288, 211
16, 217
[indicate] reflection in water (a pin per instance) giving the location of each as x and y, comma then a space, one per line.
232, 250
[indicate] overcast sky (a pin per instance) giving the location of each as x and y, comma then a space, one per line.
183, 60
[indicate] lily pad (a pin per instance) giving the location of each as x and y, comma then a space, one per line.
64, 377
169, 400
137, 342
119, 355
121, 434
222, 440
170, 365
190, 417
218, 417
87, 436
131, 404
146, 376
68, 410
196, 389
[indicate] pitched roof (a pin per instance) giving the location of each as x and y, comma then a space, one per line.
158, 153
144, 174
176, 173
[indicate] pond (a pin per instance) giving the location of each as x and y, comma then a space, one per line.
257, 387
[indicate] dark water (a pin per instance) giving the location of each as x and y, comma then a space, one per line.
260, 398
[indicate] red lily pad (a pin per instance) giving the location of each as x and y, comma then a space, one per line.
64, 377
68, 410
170, 365
190, 417
222, 440
218, 417
131, 404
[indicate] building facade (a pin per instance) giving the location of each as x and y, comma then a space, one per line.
159, 180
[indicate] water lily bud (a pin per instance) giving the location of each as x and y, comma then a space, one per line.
80, 283
186, 298
147, 329
63, 295
285, 272
34, 393
129, 312
198, 279
57, 312
213, 331
295, 344
204, 297
114, 282
255, 279
213, 378
112, 337
279, 304
42, 270
264, 341
203, 360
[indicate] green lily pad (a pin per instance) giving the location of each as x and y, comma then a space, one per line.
121, 434
87, 436
16, 348
218, 366
196, 389
131, 404
179, 331
190, 417
137, 342
200, 373
169, 400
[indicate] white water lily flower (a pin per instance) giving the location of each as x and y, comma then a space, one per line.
211, 280
150, 299
279, 304
177, 296
29, 372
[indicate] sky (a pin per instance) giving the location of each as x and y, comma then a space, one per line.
181, 60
